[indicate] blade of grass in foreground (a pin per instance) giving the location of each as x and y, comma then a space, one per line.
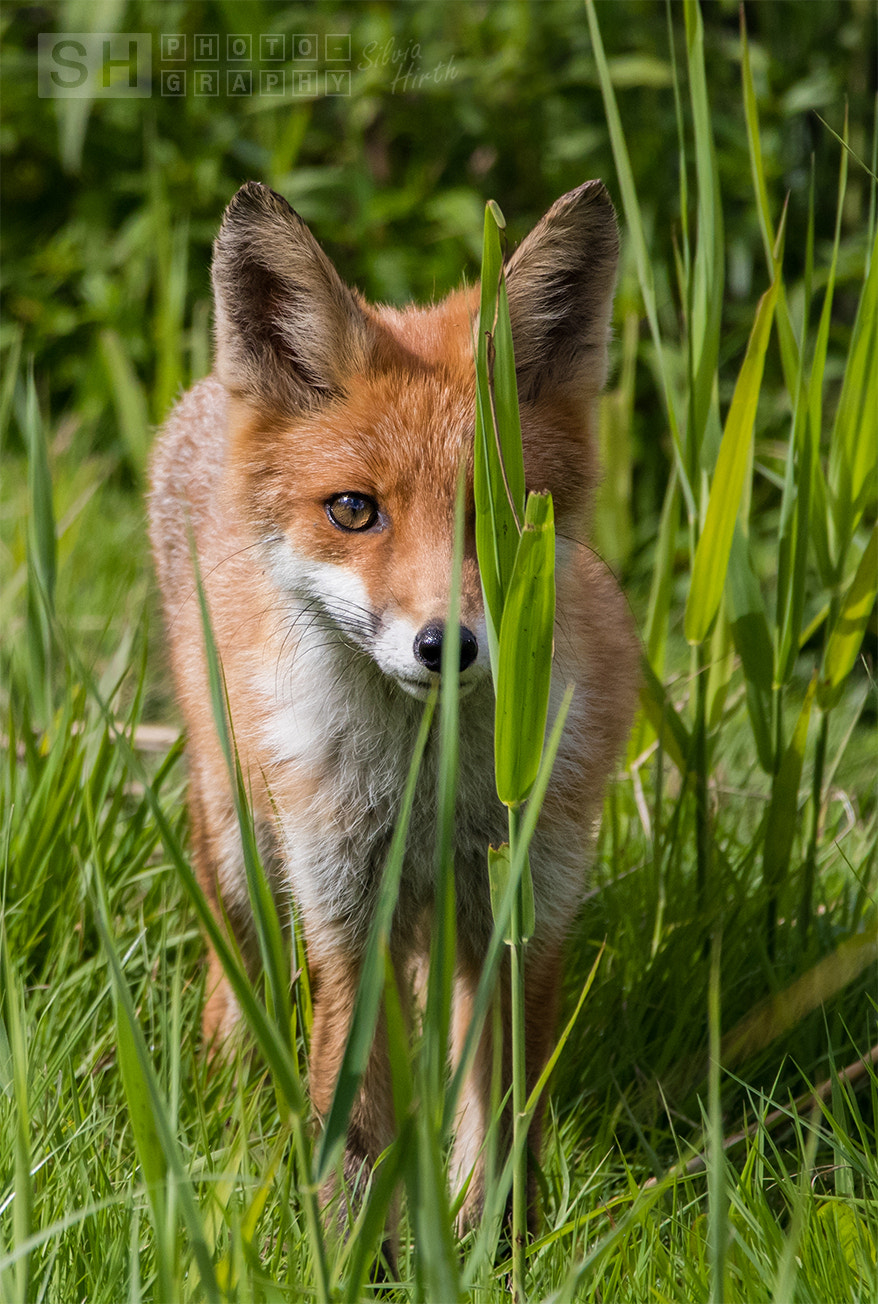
273, 1042
443, 942
498, 469
846, 635
853, 454
42, 552
524, 664
715, 544
717, 1196
705, 287
267, 925
149, 1107
522, 601
22, 1209
365, 1016
631, 205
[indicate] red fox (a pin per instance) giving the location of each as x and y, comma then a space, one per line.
316, 469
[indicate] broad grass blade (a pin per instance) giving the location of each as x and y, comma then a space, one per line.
852, 474
749, 625
789, 349
129, 400
783, 812
438, 1273
525, 655
829, 534
709, 265
498, 472
715, 544
499, 872
140, 1075
42, 551
268, 929
147, 1142
662, 588
373, 1216
22, 1211
669, 726
636, 234
10, 379
487, 982
846, 635
443, 941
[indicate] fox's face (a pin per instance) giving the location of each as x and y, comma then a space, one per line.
351, 426
358, 500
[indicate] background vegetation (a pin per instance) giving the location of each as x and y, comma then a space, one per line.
737, 857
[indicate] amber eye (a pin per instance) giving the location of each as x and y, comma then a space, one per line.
351, 511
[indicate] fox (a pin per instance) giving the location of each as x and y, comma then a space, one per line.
314, 474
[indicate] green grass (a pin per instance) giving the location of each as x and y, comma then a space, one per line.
712, 1127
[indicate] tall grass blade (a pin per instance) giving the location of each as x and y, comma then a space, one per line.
717, 1196
634, 220
267, 925
715, 544
129, 400
749, 626
436, 1264
662, 587
669, 726
829, 532
708, 269
367, 1005
41, 554
443, 941
498, 472
148, 1146
846, 634
549, 1067
274, 1047
852, 473
783, 812
525, 656
148, 1096
487, 981
23, 1200
789, 349
361, 1247
784, 1285
9, 382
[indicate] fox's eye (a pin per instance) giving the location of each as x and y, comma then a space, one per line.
352, 511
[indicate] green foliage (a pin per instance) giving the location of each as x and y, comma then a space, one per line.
735, 881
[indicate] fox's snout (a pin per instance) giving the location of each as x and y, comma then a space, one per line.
429, 642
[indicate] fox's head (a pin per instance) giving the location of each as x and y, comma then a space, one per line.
350, 423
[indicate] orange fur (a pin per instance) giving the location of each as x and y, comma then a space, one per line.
326, 632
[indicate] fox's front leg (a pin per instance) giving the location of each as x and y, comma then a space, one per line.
335, 978
541, 992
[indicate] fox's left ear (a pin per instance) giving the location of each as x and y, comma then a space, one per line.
289, 332
560, 283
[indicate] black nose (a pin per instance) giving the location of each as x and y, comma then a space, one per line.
428, 647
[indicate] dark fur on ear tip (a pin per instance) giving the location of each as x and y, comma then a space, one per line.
255, 198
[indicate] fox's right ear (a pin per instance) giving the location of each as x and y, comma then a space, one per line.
288, 330
560, 282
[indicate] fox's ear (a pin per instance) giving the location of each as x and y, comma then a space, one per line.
560, 283
288, 330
